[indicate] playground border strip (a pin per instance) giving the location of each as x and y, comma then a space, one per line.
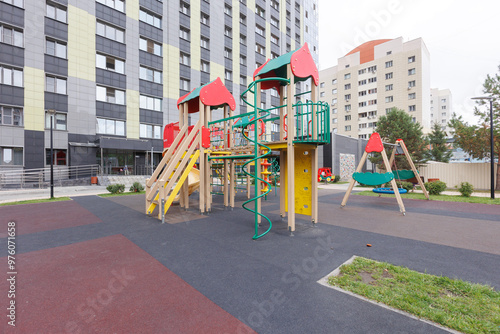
324, 281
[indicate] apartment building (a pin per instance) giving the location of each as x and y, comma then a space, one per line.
441, 102
110, 71
374, 78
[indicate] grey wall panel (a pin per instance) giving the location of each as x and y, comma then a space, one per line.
11, 14
58, 102
228, 42
12, 55
150, 60
34, 154
112, 79
56, 29
11, 95
243, 70
151, 32
260, 21
228, 20
150, 88
260, 58
152, 5
150, 116
56, 65
205, 54
243, 49
185, 71
205, 7
110, 15
229, 85
62, 2
184, 20
110, 110
204, 30
81, 155
184, 46
110, 47
124, 144
275, 48
34, 34
260, 40
228, 63
204, 78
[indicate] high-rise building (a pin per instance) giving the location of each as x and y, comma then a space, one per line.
441, 108
110, 71
374, 78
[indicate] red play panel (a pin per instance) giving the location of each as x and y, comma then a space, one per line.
108, 285
32, 218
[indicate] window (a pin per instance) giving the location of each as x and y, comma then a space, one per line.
243, 80
388, 64
347, 128
347, 66
150, 18
388, 75
372, 91
322, 94
347, 107
411, 83
274, 55
389, 99
55, 85
149, 102
184, 33
56, 12
260, 49
362, 93
260, 11
205, 19
243, 40
150, 75
362, 82
347, 97
184, 84
412, 108
275, 4
150, 131
204, 42
205, 66
11, 76
110, 32
414, 120
372, 69
411, 59
411, 71
243, 19
347, 117
362, 115
11, 156
184, 59
443, 100
275, 39
17, 3
243, 60
334, 81
59, 157
362, 136
334, 101
334, 110
334, 91
110, 63
388, 52
228, 10
347, 76
110, 127
275, 22
119, 5
228, 53
297, 38
443, 107
259, 30
288, 47
110, 95
150, 46
59, 121
347, 86
11, 116
362, 104
228, 31
362, 71
443, 121
11, 36
228, 75
184, 8
374, 79
389, 87
321, 85
412, 96
372, 102
362, 126
56, 49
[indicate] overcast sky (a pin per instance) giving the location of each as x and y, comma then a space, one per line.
462, 36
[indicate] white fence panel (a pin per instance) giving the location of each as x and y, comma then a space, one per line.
477, 174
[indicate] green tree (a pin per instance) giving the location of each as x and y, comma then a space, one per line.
398, 124
439, 150
475, 139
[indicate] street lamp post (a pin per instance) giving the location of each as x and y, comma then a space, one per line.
51, 112
492, 151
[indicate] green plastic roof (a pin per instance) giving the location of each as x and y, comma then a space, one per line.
278, 64
195, 93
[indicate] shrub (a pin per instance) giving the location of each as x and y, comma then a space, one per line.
436, 187
466, 189
401, 184
336, 179
116, 188
136, 187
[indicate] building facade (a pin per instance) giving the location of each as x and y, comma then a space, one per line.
441, 103
109, 72
374, 78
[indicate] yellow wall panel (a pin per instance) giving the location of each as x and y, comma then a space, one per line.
34, 101
81, 44
216, 70
268, 40
171, 75
195, 35
132, 9
236, 45
250, 5
132, 114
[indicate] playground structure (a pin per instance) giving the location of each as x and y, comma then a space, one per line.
220, 146
375, 179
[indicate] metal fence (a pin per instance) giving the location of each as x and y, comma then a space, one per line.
40, 177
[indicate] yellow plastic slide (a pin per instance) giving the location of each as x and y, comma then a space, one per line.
193, 182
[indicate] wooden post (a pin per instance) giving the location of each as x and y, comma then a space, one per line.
208, 171
181, 124
202, 159
314, 188
283, 160
290, 150
352, 182
314, 111
393, 183
185, 190
282, 113
413, 168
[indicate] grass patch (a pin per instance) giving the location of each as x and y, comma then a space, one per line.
445, 198
31, 201
463, 306
122, 194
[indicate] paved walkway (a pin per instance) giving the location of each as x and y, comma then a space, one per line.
28, 194
100, 265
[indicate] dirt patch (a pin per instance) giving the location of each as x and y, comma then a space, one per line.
366, 277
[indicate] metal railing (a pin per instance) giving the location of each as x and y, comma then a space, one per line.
40, 177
